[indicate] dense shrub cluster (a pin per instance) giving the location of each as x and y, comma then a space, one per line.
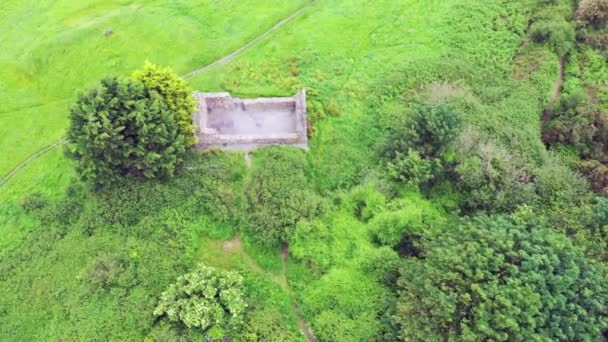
413, 149
131, 127
501, 279
490, 177
278, 195
208, 299
551, 24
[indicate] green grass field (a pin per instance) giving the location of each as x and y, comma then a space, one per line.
360, 61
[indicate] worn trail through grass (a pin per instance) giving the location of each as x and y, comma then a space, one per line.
223, 60
559, 84
235, 246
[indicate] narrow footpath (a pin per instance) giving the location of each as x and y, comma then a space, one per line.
557, 89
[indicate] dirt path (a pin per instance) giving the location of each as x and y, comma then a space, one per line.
304, 328
240, 50
559, 83
31, 158
235, 246
15, 170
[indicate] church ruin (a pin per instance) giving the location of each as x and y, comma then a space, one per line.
230, 122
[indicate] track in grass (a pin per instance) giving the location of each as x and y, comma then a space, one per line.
557, 88
235, 53
226, 59
30, 159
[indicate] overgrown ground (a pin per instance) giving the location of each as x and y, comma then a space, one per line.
361, 62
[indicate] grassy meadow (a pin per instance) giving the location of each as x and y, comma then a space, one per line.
362, 63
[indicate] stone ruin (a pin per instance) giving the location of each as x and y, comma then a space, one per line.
230, 122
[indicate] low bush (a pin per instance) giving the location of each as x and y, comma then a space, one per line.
558, 33
597, 175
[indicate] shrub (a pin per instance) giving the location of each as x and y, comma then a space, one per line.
580, 122
490, 177
413, 147
208, 299
593, 11
499, 279
427, 128
119, 129
597, 175
106, 271
277, 194
556, 31
175, 92
412, 169
34, 202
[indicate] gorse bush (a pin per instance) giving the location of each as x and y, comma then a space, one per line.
501, 279
119, 128
175, 92
208, 299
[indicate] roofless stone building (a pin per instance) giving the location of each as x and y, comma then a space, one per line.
230, 122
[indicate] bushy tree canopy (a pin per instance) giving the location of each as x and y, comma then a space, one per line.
500, 279
118, 128
176, 93
209, 299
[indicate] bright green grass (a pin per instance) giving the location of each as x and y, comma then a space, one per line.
52, 49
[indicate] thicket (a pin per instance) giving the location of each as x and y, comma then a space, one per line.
278, 194
413, 150
500, 278
552, 24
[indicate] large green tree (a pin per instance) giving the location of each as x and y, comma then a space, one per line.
501, 279
119, 128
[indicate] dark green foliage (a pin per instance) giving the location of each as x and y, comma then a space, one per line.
208, 299
413, 148
278, 194
501, 278
557, 32
490, 177
119, 129
106, 271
